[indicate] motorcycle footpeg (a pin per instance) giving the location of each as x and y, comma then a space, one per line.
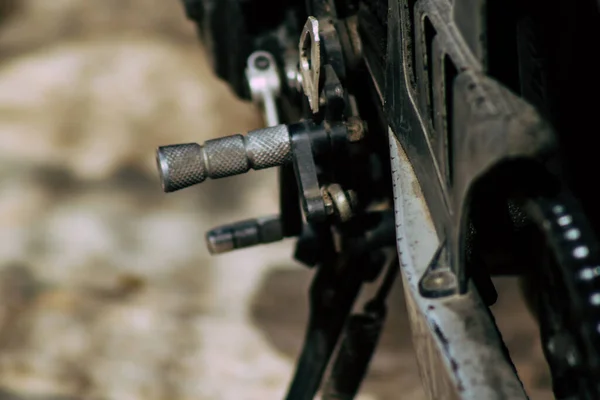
244, 234
187, 164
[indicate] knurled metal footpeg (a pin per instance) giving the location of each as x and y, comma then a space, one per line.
184, 165
244, 234
298, 145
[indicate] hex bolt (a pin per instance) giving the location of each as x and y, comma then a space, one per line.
329, 209
356, 129
438, 283
339, 202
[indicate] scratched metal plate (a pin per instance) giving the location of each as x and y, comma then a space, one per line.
457, 344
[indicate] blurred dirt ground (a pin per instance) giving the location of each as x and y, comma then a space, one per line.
106, 289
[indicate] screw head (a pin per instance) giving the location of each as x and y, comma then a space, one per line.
438, 283
356, 129
328, 201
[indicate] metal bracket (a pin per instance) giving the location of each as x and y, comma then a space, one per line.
458, 360
265, 84
306, 177
310, 61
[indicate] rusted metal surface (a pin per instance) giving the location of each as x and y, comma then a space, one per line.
459, 350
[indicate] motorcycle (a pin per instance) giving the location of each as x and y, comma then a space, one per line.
437, 140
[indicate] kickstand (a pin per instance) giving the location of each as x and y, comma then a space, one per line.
360, 341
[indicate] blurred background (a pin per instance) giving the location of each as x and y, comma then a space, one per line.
106, 288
